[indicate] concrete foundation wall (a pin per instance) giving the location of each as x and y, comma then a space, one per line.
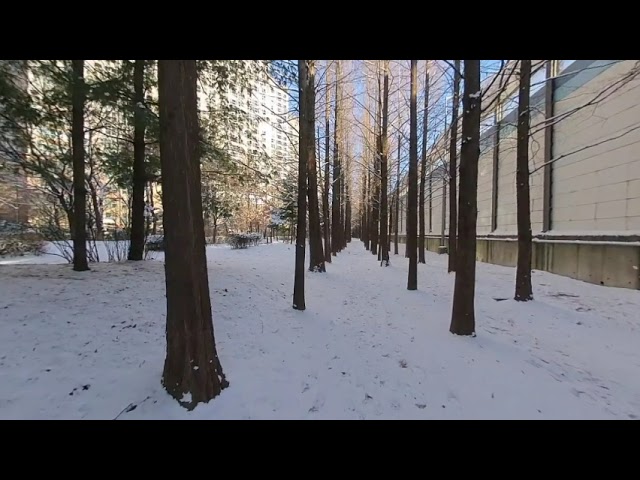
601, 263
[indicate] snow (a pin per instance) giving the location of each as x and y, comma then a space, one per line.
92, 344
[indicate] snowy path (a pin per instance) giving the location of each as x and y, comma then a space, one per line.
87, 345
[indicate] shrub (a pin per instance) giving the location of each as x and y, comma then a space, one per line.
244, 240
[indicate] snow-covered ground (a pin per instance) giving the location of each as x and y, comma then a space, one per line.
91, 344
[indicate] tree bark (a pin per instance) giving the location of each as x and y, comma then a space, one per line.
347, 204
384, 225
306, 72
524, 289
327, 174
453, 168
343, 197
412, 200
192, 371
80, 263
136, 246
423, 167
463, 314
397, 201
298, 284
364, 232
375, 208
336, 227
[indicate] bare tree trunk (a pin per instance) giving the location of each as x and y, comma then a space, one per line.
327, 175
423, 166
453, 168
391, 223
192, 370
397, 202
343, 196
364, 226
463, 315
80, 263
136, 246
375, 231
347, 204
412, 200
336, 227
298, 284
384, 168
306, 72
97, 211
524, 290
370, 211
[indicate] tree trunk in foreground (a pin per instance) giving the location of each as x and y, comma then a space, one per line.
325, 190
298, 283
463, 315
80, 263
423, 168
524, 290
192, 371
412, 195
307, 133
384, 169
136, 246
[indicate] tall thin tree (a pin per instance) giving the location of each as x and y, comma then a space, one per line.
364, 232
347, 199
412, 200
306, 71
79, 95
136, 246
524, 290
192, 370
375, 210
298, 283
463, 315
384, 168
453, 169
327, 174
423, 165
397, 201
336, 227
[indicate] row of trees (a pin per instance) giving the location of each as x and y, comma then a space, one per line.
461, 137
329, 220
377, 226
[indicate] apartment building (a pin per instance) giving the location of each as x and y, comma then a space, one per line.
14, 185
584, 156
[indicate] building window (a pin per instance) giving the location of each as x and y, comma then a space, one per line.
510, 103
538, 79
486, 124
563, 64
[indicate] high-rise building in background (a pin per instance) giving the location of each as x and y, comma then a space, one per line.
268, 132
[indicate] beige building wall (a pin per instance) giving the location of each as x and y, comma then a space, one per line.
536, 160
485, 187
597, 190
506, 218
